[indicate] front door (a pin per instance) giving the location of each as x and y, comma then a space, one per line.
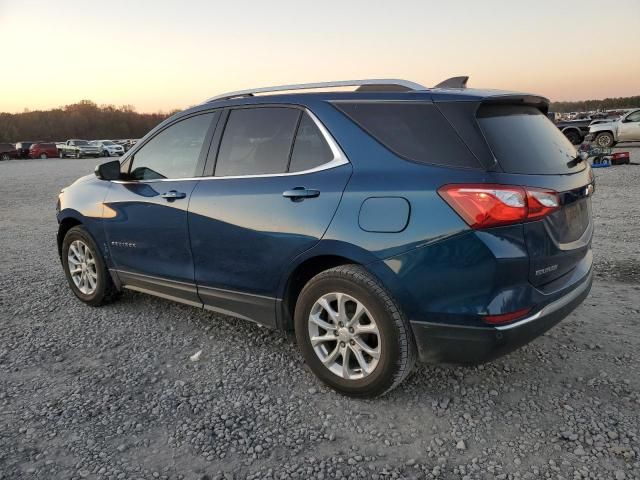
146, 224
629, 128
278, 180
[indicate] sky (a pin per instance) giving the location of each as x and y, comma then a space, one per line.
170, 54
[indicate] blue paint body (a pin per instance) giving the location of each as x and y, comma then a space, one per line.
236, 240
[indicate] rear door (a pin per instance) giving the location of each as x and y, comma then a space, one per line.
146, 228
532, 152
276, 181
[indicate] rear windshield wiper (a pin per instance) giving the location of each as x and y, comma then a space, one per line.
581, 157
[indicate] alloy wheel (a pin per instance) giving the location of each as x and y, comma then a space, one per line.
344, 336
82, 267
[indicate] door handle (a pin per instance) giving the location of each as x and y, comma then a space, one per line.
298, 194
172, 195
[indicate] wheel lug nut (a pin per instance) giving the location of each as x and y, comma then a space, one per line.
350, 329
352, 342
341, 324
335, 332
342, 344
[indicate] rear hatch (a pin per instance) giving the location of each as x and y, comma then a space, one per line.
532, 152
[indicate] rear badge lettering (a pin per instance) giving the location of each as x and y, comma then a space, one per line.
123, 244
548, 269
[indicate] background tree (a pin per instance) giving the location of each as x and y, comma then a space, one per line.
84, 119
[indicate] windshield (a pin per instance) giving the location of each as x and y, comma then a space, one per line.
107, 142
80, 142
523, 140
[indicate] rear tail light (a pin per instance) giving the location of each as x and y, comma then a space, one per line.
485, 205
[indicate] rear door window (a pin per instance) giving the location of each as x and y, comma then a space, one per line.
525, 141
416, 131
257, 141
310, 149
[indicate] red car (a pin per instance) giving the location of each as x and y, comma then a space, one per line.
43, 150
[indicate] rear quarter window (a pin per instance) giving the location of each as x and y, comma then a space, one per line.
416, 131
525, 141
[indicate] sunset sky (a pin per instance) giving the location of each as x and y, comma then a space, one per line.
168, 54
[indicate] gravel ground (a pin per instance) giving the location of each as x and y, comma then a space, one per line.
112, 393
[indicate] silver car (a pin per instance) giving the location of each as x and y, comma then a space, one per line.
625, 129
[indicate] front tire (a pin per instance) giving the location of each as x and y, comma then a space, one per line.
105, 153
78, 155
43, 156
352, 334
604, 140
85, 269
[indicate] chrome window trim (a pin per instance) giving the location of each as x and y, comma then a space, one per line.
339, 158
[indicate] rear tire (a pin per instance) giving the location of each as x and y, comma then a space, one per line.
4, 157
604, 140
380, 351
85, 269
573, 137
60, 154
43, 156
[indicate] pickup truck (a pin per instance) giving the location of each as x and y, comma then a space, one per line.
574, 130
78, 149
625, 129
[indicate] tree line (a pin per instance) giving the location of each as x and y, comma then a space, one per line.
84, 120
87, 120
590, 105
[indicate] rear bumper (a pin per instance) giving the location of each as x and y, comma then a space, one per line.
446, 343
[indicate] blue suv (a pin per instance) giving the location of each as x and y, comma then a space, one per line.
382, 225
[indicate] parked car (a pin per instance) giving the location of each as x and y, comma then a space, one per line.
379, 225
126, 144
574, 130
625, 129
78, 149
23, 149
43, 150
109, 148
8, 151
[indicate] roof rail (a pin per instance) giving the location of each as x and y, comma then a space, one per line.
454, 82
377, 85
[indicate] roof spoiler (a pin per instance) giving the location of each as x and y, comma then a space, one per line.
454, 82
537, 101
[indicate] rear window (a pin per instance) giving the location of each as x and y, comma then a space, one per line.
416, 131
525, 141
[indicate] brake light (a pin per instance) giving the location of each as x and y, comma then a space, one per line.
541, 203
486, 205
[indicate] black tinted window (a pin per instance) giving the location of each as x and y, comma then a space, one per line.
257, 141
523, 140
174, 152
415, 131
310, 149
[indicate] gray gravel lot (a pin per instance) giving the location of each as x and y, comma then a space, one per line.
111, 392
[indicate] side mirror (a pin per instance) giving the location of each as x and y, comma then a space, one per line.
108, 171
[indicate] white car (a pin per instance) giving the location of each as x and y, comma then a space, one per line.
109, 148
625, 129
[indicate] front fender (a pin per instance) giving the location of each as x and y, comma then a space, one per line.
83, 203
595, 129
